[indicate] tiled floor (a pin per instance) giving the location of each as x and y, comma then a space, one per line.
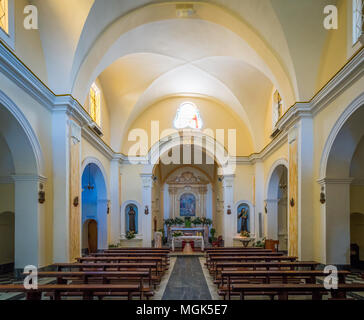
187, 281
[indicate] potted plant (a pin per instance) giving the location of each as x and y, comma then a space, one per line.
130, 235
260, 243
188, 222
164, 239
169, 222
213, 238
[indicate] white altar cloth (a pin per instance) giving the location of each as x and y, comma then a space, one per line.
181, 238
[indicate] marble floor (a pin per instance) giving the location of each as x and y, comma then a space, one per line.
187, 281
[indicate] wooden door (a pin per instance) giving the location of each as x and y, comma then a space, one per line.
92, 236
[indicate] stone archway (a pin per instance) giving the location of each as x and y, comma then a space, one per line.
23, 180
336, 180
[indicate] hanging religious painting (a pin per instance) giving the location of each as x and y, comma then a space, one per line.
131, 218
243, 216
188, 205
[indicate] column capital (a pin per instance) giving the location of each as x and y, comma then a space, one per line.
326, 181
28, 177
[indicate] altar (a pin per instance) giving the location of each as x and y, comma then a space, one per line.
188, 238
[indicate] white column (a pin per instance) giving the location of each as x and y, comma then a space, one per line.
305, 195
272, 219
336, 218
228, 220
259, 199
28, 235
61, 197
147, 183
115, 221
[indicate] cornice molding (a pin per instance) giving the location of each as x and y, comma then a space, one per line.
15, 70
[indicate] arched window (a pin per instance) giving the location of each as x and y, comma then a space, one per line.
277, 107
188, 116
358, 18
187, 205
95, 104
4, 16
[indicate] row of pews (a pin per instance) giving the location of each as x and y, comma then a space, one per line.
121, 273
243, 272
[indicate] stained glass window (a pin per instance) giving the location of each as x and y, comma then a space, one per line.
188, 116
358, 18
95, 107
4, 15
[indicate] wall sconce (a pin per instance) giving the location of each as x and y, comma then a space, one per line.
228, 211
291, 202
146, 210
41, 194
266, 208
322, 196
75, 202
108, 207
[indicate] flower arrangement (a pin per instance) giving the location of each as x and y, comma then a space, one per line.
197, 221
206, 221
178, 221
169, 222
130, 235
245, 234
177, 234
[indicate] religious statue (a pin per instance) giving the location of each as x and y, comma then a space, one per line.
243, 215
132, 214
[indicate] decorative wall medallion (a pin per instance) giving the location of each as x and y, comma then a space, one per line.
228, 211
146, 210
75, 202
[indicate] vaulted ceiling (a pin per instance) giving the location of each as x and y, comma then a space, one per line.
233, 51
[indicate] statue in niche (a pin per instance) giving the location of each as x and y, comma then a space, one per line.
131, 215
243, 218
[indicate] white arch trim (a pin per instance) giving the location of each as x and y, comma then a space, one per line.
28, 130
98, 163
122, 217
212, 147
274, 166
340, 122
251, 218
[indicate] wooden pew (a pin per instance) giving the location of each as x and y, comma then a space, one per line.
215, 260
104, 277
239, 253
284, 290
283, 276
265, 265
159, 260
165, 255
106, 266
87, 291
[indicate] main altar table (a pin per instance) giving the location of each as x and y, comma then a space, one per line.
189, 238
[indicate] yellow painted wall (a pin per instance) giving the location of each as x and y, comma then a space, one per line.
357, 232
338, 47
243, 183
214, 115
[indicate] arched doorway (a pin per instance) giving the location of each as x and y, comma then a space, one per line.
277, 205
7, 241
342, 172
21, 166
94, 208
